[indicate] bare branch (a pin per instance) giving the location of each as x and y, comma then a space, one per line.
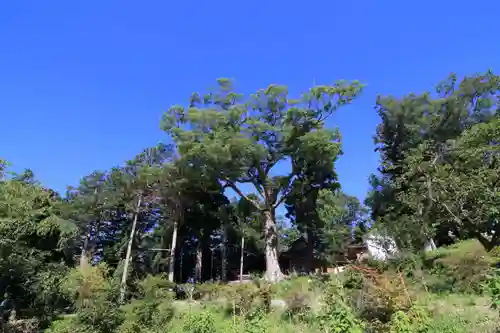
251, 179
241, 194
287, 193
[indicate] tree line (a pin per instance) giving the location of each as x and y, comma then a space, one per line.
207, 205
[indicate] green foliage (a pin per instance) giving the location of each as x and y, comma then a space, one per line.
439, 171
239, 140
463, 267
49, 290
416, 320
298, 295
148, 218
242, 298
211, 291
336, 315
88, 284
199, 322
92, 290
256, 322
146, 315
155, 286
101, 316
494, 290
67, 324
34, 246
338, 213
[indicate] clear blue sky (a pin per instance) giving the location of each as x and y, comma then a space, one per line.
83, 84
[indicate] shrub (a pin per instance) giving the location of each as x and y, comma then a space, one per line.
264, 295
199, 322
462, 267
352, 279
416, 320
256, 322
381, 296
336, 315
209, 291
298, 295
50, 299
241, 298
67, 324
298, 304
494, 290
87, 284
156, 286
153, 312
495, 256
186, 290
102, 316
93, 291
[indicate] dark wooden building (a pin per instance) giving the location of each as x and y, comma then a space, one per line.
300, 259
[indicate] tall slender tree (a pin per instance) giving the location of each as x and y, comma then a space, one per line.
136, 182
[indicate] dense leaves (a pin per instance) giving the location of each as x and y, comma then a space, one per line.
240, 141
206, 208
439, 174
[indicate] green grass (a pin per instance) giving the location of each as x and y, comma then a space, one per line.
400, 298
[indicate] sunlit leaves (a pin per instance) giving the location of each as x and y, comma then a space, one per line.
437, 151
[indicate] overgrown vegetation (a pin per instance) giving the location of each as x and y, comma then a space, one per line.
162, 243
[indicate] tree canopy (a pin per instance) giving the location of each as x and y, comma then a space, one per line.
243, 179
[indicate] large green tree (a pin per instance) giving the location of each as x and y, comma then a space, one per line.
36, 245
464, 191
86, 205
418, 138
343, 218
241, 141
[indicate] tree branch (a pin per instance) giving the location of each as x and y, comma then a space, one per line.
241, 194
283, 197
255, 183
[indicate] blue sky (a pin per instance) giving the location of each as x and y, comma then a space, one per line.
83, 84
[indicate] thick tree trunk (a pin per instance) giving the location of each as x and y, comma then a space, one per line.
199, 261
242, 256
273, 270
171, 260
123, 284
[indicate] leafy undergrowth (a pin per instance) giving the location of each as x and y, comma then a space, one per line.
394, 297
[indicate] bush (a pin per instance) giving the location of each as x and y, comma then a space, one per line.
463, 267
94, 293
256, 322
494, 290
50, 298
241, 298
87, 284
210, 291
199, 322
336, 315
154, 311
298, 304
67, 324
352, 279
416, 320
102, 316
382, 295
156, 286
